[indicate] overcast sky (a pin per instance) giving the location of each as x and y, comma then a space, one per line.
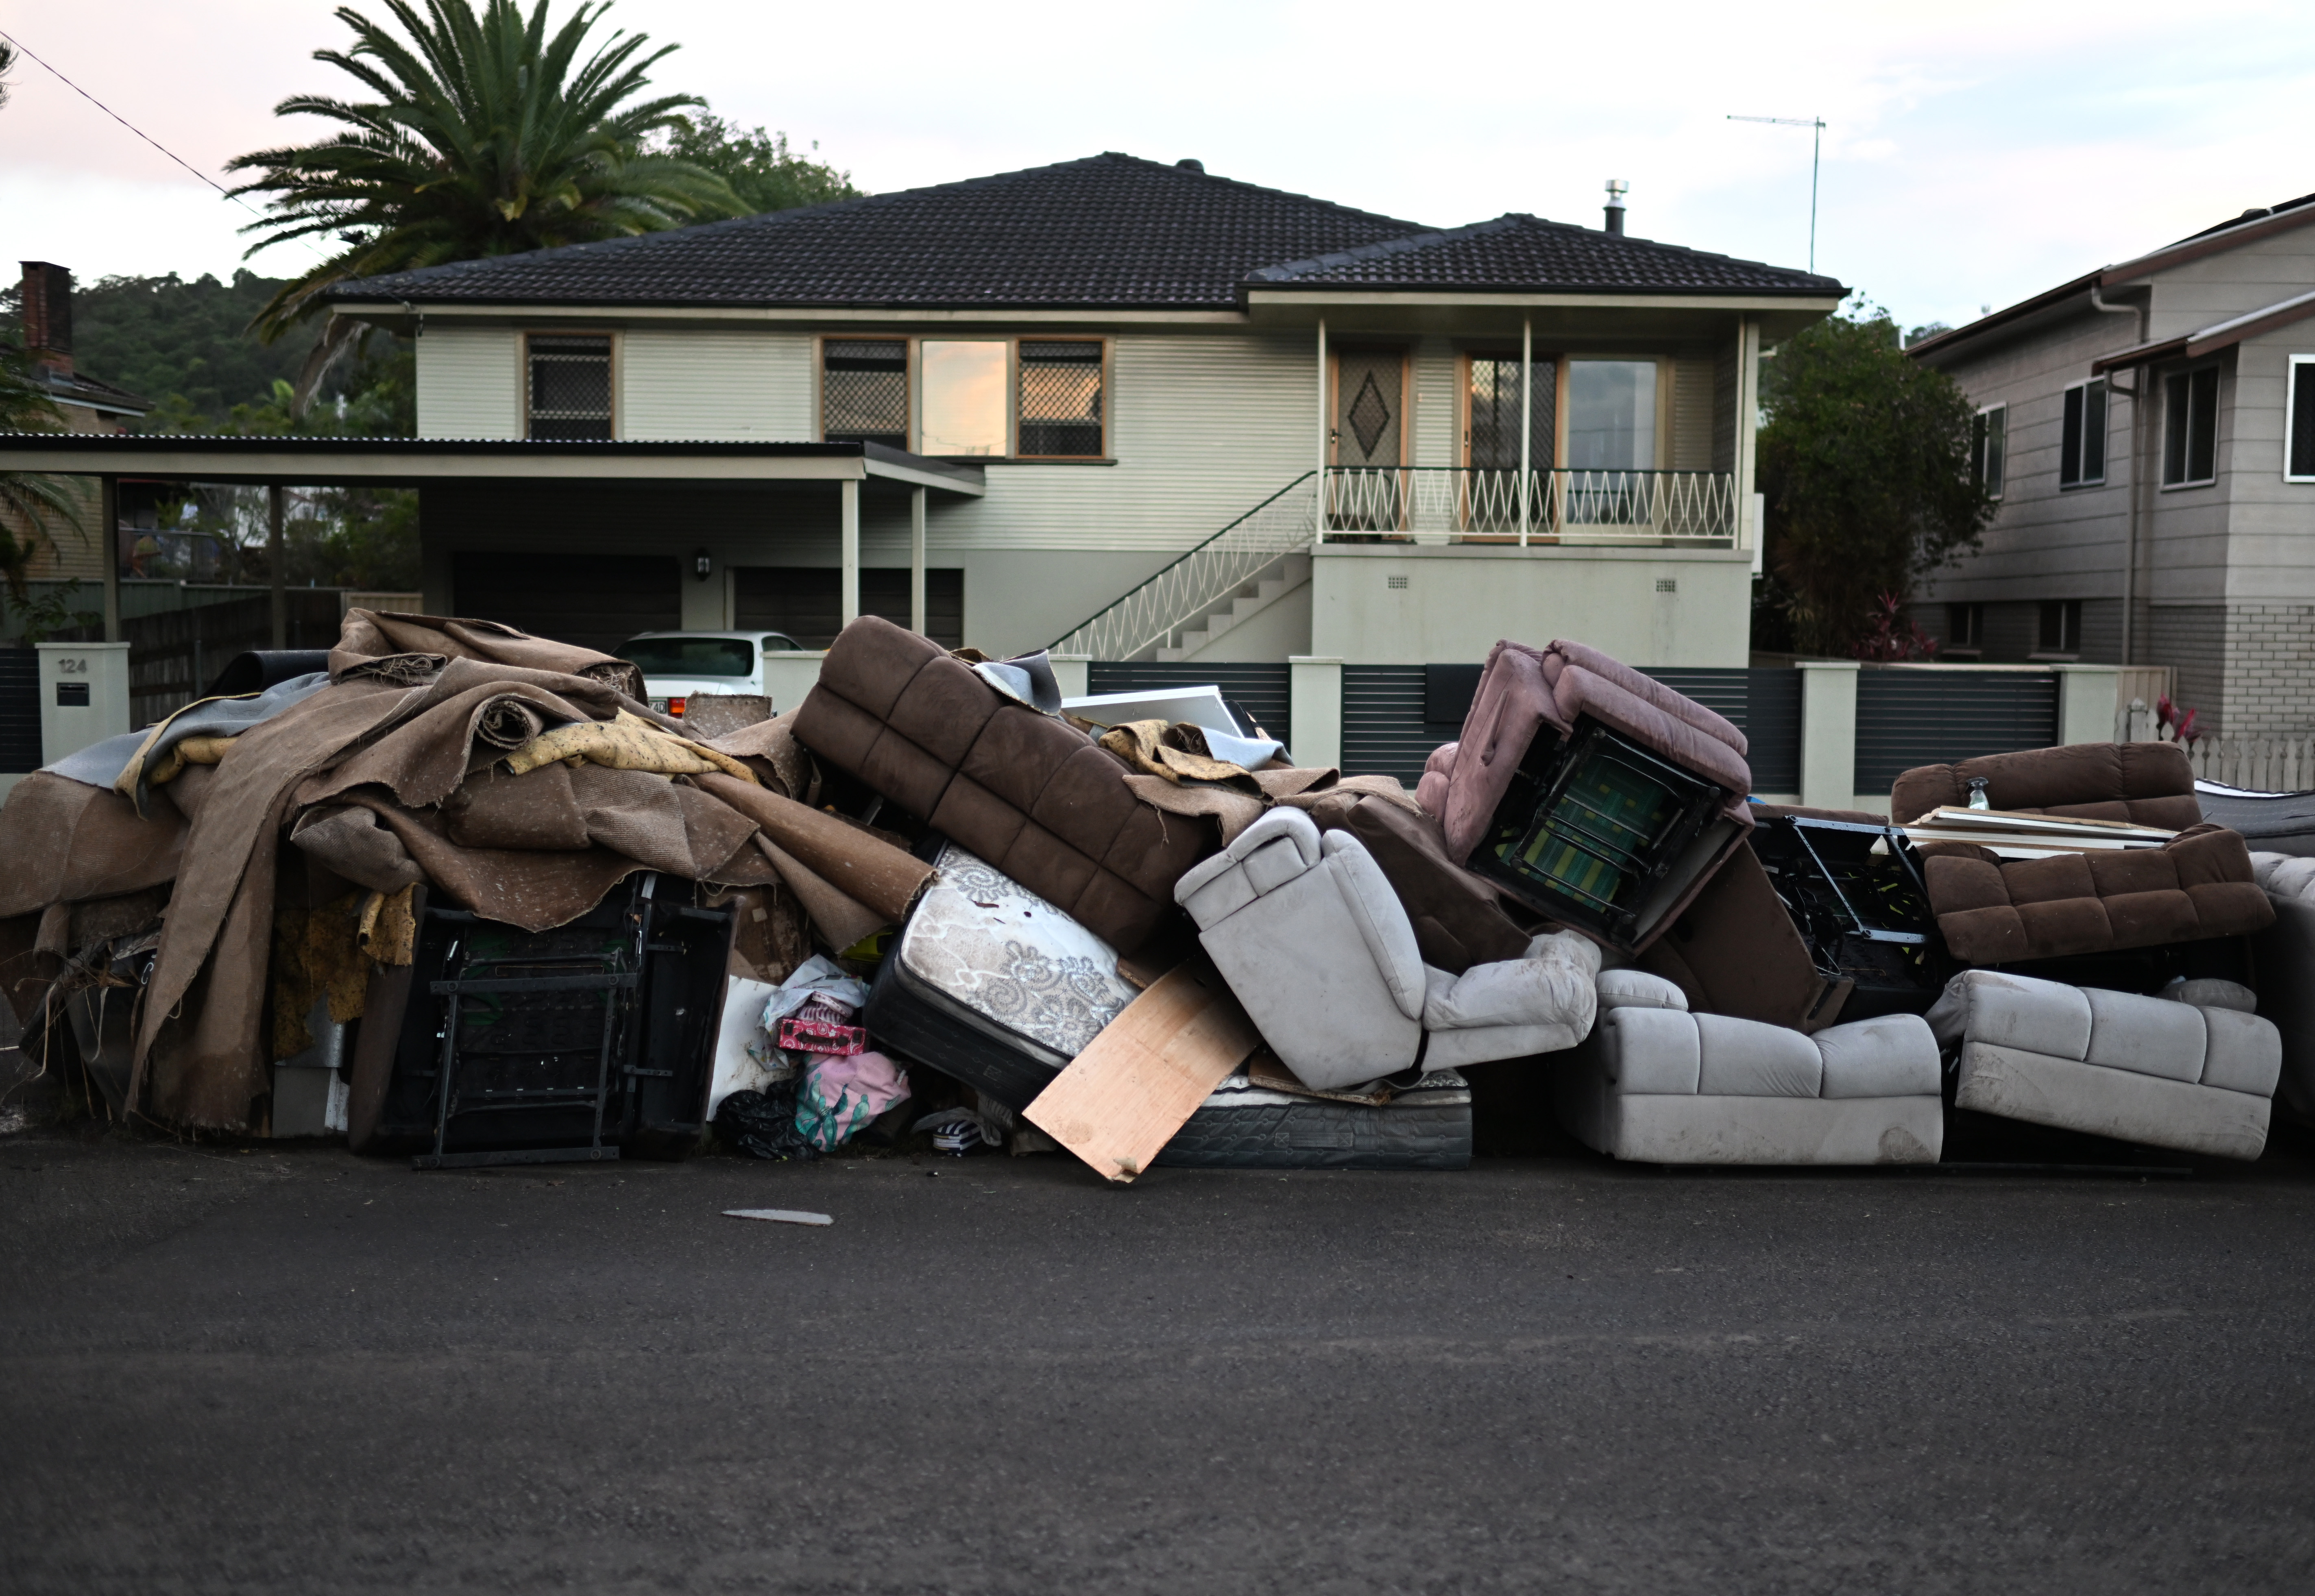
1975, 153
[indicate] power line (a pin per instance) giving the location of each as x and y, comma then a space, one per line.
141, 133
1816, 148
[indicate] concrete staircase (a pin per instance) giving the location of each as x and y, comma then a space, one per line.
1267, 587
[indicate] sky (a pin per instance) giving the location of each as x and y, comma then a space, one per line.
1974, 154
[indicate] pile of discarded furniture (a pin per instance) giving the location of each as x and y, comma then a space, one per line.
460, 894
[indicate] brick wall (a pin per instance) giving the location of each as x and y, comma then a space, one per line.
2270, 673
2192, 638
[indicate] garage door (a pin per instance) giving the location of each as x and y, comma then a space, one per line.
807, 601
597, 601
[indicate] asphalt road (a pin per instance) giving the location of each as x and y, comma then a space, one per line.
299, 1371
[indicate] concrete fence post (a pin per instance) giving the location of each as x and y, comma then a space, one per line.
1828, 733
1071, 672
2088, 703
1315, 703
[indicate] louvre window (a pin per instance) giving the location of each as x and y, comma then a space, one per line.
1494, 440
2081, 436
1060, 399
2190, 428
863, 392
1989, 447
570, 385
2298, 421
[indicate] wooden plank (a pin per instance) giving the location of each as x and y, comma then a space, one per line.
1122, 1099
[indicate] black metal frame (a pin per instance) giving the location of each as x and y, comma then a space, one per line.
1879, 934
639, 1084
1540, 803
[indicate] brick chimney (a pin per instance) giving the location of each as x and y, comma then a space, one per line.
48, 315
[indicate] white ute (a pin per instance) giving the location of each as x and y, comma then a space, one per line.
678, 664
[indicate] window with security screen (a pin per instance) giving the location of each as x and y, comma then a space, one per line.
569, 384
1060, 399
863, 390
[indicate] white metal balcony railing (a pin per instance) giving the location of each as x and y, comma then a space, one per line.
1417, 504
1695, 509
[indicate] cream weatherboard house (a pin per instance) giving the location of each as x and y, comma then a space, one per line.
1132, 357
1158, 420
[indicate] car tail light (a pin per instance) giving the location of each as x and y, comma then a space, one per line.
675, 707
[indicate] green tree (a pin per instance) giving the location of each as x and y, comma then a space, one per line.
1864, 463
487, 134
760, 167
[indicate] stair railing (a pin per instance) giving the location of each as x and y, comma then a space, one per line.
1202, 580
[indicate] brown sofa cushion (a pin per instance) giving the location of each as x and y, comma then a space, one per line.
1032, 795
1460, 918
1736, 951
2147, 783
1993, 910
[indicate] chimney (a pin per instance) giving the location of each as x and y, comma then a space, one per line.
48, 315
1616, 188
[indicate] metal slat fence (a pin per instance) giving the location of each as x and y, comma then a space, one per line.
1907, 718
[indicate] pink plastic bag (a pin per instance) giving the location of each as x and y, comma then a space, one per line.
841, 1093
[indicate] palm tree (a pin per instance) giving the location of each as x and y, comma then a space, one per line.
487, 137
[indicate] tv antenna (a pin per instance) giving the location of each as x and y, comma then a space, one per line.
1816, 149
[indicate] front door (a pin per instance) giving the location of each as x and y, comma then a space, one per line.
1367, 488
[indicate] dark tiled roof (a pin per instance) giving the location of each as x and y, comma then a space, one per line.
1109, 231
1524, 254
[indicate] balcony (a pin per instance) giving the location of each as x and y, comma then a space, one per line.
1437, 504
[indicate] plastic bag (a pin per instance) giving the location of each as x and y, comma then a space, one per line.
762, 1124
840, 1094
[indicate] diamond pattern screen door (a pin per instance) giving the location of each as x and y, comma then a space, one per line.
1370, 405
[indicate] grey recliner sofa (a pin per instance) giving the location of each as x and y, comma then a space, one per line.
2194, 1072
1655, 1083
1312, 940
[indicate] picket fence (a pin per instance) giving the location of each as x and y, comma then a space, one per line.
2256, 764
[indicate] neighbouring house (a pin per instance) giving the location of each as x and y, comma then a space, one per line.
86, 403
2149, 430
1214, 422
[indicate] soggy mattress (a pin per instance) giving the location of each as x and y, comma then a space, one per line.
1245, 1126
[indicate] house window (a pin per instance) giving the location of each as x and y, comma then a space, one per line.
1060, 399
569, 384
1965, 626
2081, 437
964, 397
2298, 421
1493, 441
2062, 627
1611, 415
1989, 447
863, 390
2190, 428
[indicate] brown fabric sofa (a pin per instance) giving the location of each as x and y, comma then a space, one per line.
1993, 910
2146, 783
1029, 793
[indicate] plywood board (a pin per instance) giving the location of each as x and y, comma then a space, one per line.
1122, 1099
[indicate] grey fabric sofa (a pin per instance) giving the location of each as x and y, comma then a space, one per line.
2284, 954
1656, 1084
2195, 1077
1310, 937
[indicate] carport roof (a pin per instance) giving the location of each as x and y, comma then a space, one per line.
404, 461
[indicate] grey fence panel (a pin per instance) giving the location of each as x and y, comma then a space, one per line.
1908, 718
1772, 726
20, 710
1383, 729
1263, 691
